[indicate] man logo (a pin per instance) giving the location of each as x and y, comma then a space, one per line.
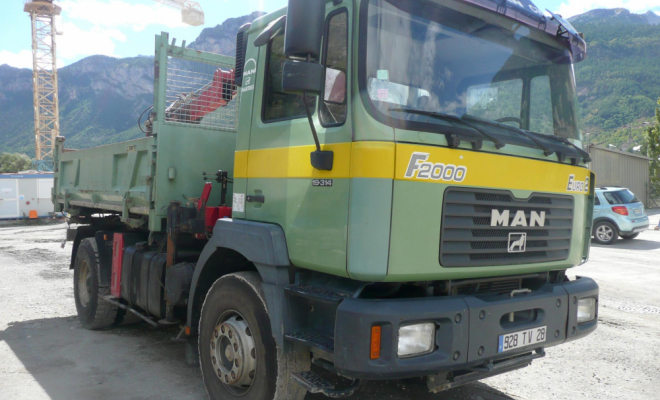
517, 243
498, 218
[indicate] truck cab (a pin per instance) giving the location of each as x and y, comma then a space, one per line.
406, 188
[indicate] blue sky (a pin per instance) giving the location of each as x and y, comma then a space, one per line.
126, 28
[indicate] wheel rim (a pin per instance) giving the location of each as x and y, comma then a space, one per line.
233, 353
84, 284
605, 233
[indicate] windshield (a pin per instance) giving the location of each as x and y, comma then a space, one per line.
621, 197
428, 57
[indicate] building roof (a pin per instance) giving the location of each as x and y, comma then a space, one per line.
27, 175
635, 155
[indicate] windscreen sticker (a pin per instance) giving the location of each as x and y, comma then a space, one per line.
383, 75
238, 204
383, 94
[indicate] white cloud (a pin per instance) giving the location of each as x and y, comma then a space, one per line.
574, 7
119, 13
76, 42
92, 27
22, 59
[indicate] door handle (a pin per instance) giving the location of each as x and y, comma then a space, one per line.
255, 198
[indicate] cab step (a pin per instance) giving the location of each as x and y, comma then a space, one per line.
314, 383
313, 339
315, 293
311, 382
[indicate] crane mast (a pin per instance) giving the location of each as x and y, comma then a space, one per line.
191, 11
44, 77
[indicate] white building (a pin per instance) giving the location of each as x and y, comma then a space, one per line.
26, 195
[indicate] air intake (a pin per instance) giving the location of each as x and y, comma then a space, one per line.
241, 49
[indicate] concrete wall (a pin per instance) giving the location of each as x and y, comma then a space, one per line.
22, 193
619, 168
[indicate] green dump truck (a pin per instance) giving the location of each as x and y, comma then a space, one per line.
368, 190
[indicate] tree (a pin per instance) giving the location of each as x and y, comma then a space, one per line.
11, 163
653, 151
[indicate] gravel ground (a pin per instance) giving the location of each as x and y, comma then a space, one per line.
45, 353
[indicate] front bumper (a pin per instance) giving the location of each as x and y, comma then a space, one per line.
468, 329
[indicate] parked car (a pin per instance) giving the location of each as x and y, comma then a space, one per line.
618, 212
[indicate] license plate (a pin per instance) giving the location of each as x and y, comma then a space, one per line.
638, 211
516, 340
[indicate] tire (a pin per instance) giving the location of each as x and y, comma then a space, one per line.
605, 233
630, 237
94, 312
234, 301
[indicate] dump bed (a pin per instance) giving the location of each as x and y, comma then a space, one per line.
138, 179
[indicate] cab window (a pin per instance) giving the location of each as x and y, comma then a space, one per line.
333, 108
497, 101
540, 106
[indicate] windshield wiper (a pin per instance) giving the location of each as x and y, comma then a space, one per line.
448, 117
546, 150
585, 156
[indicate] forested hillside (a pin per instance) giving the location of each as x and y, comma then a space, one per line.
619, 82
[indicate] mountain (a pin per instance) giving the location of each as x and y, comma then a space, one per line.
100, 97
619, 82
615, 15
222, 38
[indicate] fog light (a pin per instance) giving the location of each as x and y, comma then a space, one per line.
416, 340
586, 310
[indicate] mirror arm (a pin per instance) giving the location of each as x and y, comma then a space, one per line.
322, 160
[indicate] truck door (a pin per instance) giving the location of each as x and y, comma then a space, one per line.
9, 198
283, 188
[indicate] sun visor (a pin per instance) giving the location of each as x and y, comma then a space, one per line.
526, 12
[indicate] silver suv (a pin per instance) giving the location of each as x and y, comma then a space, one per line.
617, 212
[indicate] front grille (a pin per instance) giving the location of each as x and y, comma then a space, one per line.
494, 287
468, 239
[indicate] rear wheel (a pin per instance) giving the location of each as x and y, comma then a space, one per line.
93, 311
237, 351
605, 233
629, 237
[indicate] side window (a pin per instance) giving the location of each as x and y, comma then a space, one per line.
277, 104
597, 200
540, 106
610, 198
496, 101
334, 106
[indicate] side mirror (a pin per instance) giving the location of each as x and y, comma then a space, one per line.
302, 76
305, 21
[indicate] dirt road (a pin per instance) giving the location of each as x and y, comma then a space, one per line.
45, 354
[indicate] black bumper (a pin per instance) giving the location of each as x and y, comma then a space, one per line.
467, 326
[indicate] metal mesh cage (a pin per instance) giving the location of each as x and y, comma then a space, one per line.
201, 94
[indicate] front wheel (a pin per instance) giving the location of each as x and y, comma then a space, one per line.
605, 233
238, 354
629, 237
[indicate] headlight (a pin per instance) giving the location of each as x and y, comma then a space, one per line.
416, 340
586, 310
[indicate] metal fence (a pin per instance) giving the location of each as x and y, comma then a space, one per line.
198, 93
